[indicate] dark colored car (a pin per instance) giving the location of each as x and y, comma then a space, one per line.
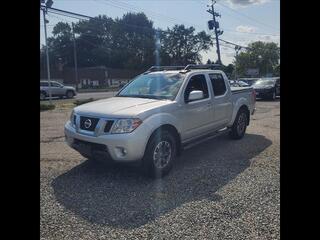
267, 88
249, 81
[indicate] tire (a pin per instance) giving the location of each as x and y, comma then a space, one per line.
69, 94
160, 154
239, 126
43, 96
273, 96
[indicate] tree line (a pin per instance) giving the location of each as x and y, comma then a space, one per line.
132, 42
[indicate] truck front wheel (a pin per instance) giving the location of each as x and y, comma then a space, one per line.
239, 126
160, 154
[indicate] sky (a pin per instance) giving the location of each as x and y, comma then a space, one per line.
243, 21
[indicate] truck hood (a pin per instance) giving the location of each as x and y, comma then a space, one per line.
120, 107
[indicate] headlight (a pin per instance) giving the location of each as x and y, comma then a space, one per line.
126, 125
72, 118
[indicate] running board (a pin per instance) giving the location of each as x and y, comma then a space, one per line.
205, 138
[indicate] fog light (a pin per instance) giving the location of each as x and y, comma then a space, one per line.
121, 151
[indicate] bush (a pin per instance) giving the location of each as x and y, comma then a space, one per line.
45, 107
83, 101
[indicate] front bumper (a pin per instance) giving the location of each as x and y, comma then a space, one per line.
264, 93
126, 147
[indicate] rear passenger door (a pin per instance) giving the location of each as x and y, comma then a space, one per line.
222, 106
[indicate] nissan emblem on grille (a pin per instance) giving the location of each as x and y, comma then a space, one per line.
87, 123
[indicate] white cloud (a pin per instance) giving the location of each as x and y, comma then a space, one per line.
245, 29
248, 2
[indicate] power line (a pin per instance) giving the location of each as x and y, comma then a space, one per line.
241, 14
248, 17
81, 16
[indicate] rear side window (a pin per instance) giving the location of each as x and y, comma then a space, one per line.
218, 84
44, 84
197, 82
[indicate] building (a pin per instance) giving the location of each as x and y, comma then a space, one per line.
91, 77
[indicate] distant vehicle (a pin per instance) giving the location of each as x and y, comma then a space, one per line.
158, 114
267, 88
57, 90
234, 83
249, 81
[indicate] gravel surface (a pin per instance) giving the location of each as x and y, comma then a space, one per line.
220, 189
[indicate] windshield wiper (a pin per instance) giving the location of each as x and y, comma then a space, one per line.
144, 96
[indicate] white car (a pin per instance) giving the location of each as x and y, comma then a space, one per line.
57, 90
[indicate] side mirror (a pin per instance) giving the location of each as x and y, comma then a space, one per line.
195, 95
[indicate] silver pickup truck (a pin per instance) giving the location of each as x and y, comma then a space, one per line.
158, 114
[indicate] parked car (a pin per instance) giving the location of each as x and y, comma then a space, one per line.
249, 81
57, 90
234, 83
267, 88
158, 114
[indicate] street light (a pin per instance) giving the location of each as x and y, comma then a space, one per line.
45, 21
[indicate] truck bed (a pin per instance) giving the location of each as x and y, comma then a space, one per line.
235, 90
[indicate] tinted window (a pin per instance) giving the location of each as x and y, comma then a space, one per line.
54, 84
218, 84
43, 84
197, 82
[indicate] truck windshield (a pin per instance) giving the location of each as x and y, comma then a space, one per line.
154, 85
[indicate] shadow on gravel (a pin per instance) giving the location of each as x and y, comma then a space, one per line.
120, 197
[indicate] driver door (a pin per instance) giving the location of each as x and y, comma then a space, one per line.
197, 115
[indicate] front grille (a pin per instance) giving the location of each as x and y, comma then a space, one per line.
88, 123
108, 125
74, 119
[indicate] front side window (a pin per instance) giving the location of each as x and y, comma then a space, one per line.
55, 84
197, 82
218, 84
154, 85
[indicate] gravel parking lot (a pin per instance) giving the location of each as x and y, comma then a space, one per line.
220, 189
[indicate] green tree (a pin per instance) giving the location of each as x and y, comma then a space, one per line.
134, 39
261, 55
277, 71
181, 46
228, 70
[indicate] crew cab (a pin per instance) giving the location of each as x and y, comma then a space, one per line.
158, 114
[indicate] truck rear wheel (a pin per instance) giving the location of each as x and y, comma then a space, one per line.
160, 154
239, 126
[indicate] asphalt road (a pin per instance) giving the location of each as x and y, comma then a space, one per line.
220, 189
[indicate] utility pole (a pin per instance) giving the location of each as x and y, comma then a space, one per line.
214, 24
237, 48
44, 10
75, 57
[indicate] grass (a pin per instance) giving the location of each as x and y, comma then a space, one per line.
98, 90
64, 104
83, 101
46, 107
